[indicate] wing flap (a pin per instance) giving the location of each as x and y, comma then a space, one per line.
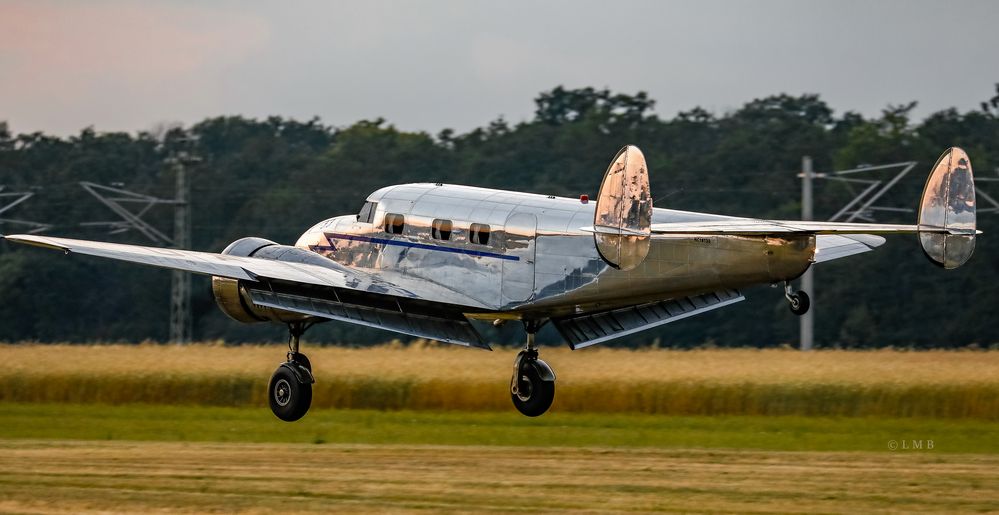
590, 329
445, 326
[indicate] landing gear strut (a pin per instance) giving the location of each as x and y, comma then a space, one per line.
532, 386
798, 301
290, 388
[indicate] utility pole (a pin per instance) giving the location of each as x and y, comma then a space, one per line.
873, 190
116, 198
180, 284
807, 281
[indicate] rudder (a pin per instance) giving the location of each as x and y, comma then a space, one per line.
947, 211
623, 218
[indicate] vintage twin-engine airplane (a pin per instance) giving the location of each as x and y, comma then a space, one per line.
426, 259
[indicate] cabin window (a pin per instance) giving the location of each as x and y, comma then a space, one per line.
367, 214
394, 223
479, 233
441, 229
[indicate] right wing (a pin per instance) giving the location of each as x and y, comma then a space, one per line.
235, 267
333, 291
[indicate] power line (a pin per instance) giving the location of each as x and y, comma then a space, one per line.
19, 198
129, 219
861, 206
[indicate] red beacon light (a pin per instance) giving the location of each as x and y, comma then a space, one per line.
584, 199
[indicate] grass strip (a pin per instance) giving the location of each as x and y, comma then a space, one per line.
221, 424
960, 400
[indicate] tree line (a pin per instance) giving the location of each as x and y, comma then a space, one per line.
274, 177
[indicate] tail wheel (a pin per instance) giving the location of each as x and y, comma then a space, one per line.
799, 303
289, 397
534, 395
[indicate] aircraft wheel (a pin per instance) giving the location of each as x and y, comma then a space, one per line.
799, 303
301, 359
534, 395
289, 398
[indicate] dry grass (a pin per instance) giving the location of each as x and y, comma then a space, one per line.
752, 382
144, 477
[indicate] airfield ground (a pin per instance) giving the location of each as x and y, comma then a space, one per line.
85, 446
63, 477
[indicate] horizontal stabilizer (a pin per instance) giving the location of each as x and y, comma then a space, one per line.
755, 227
834, 246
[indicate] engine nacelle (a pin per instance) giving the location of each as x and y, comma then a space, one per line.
231, 295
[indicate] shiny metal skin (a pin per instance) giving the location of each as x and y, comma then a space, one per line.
623, 214
233, 299
540, 261
948, 202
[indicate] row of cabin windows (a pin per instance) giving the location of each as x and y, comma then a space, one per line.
439, 229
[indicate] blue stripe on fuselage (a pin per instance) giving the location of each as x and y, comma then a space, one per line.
423, 246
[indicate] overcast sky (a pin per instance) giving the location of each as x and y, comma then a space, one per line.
119, 65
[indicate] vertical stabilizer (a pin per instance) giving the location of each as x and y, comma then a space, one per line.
947, 207
623, 219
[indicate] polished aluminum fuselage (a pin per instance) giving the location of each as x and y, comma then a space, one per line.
540, 261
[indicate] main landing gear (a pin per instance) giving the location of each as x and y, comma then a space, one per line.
532, 386
798, 301
290, 390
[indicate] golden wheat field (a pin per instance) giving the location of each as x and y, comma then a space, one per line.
955, 384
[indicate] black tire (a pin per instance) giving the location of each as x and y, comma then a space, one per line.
289, 398
535, 395
800, 303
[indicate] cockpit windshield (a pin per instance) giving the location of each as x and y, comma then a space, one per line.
367, 214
